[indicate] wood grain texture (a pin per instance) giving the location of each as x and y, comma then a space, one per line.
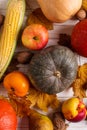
65, 27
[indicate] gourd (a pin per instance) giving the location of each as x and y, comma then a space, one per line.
59, 10
79, 38
53, 69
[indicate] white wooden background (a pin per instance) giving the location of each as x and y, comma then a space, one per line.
66, 27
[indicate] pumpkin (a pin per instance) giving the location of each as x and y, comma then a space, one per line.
59, 10
79, 38
53, 69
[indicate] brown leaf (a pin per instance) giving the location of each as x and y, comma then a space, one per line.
21, 105
38, 17
65, 40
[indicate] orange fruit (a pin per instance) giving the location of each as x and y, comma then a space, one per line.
8, 118
17, 82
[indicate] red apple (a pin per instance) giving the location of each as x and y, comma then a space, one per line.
80, 116
74, 110
35, 37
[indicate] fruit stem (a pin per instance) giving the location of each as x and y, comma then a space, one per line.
35, 38
57, 74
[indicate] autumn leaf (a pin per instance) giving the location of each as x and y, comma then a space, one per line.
78, 89
20, 105
80, 83
37, 17
35, 99
42, 100
82, 73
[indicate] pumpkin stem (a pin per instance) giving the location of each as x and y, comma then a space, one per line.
57, 74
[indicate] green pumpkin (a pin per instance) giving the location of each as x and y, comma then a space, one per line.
53, 69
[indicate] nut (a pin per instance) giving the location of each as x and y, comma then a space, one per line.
81, 14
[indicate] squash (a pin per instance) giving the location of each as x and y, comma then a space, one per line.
79, 38
59, 10
53, 69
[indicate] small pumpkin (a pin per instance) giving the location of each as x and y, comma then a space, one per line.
79, 38
59, 10
53, 69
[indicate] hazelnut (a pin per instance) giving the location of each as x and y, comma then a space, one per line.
81, 14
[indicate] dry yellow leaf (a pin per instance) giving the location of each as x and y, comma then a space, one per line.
84, 4
37, 17
79, 85
36, 99
82, 73
42, 100
21, 105
78, 89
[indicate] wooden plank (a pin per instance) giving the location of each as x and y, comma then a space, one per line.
77, 128
23, 122
3, 4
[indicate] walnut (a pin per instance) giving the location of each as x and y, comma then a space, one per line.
59, 121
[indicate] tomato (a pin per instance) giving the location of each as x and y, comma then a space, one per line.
17, 82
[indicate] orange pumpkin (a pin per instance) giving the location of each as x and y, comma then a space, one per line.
17, 82
8, 118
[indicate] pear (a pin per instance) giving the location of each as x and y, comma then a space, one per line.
39, 121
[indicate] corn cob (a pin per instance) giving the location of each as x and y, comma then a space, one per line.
13, 22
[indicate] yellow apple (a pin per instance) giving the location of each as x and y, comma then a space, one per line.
74, 109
